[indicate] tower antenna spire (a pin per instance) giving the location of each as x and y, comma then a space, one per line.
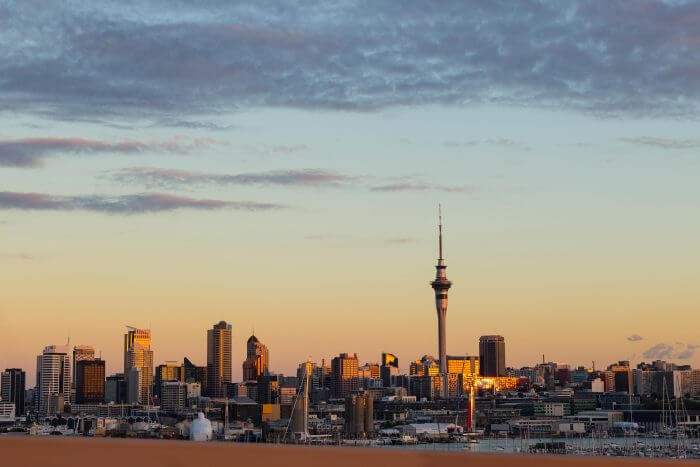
440, 227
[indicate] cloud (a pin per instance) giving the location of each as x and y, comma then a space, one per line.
399, 241
663, 143
415, 186
131, 58
659, 351
31, 152
505, 142
17, 256
125, 204
679, 351
152, 176
635, 338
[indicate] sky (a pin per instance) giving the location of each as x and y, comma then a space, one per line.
278, 165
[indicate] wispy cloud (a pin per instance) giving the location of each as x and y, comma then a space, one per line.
416, 186
17, 256
678, 350
613, 58
663, 143
31, 152
635, 338
504, 142
152, 176
125, 204
399, 240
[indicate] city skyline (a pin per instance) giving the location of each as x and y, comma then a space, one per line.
170, 165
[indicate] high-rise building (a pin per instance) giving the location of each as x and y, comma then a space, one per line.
80, 352
138, 354
344, 375
257, 360
492, 356
389, 359
441, 285
169, 371
53, 376
134, 382
12, 386
218, 359
195, 374
173, 396
90, 381
116, 389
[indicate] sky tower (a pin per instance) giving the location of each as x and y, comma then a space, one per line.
441, 285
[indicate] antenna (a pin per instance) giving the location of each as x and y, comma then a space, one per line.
440, 227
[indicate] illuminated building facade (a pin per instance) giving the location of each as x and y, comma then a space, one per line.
90, 381
138, 355
257, 360
344, 375
218, 358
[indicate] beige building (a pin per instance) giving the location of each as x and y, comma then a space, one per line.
138, 354
218, 358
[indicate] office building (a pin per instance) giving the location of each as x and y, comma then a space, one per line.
134, 382
173, 396
441, 285
12, 387
195, 374
268, 389
116, 389
138, 354
53, 376
218, 358
80, 352
389, 359
90, 381
344, 375
169, 371
257, 360
492, 356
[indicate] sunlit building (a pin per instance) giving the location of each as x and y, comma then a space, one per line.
90, 381
344, 375
218, 359
168, 371
257, 360
138, 354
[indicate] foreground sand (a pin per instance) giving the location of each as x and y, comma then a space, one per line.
31, 451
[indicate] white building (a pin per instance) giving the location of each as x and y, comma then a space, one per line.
53, 378
7, 412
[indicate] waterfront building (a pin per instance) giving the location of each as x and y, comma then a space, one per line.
173, 396
344, 379
116, 389
89, 381
492, 356
7, 412
218, 358
53, 376
257, 360
138, 354
12, 387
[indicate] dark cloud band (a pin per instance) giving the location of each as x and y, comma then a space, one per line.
130, 59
